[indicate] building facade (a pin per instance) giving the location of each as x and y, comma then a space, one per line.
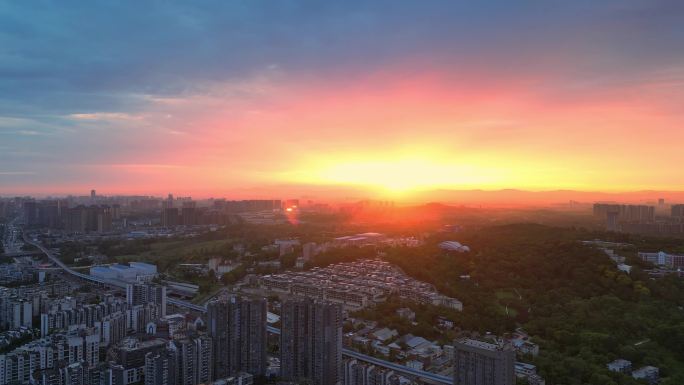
483, 363
311, 342
237, 327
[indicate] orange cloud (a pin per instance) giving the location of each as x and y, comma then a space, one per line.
394, 132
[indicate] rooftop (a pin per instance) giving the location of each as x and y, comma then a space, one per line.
479, 344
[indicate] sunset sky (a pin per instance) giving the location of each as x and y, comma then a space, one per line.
240, 98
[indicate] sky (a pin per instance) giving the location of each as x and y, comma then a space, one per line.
258, 98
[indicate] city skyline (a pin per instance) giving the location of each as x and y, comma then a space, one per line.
365, 98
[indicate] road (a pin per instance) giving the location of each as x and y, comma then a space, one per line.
68, 269
176, 302
398, 367
9, 238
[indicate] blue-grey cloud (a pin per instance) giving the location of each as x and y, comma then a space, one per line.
86, 56
59, 58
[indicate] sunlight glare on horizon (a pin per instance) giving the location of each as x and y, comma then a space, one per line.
398, 175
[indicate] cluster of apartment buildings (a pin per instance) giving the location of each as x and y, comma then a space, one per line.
112, 316
230, 345
649, 374
142, 343
60, 214
102, 338
15, 273
38, 360
640, 218
73, 330
186, 212
19, 305
355, 285
95, 214
615, 213
664, 259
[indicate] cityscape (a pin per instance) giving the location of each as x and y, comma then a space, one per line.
164, 290
342, 193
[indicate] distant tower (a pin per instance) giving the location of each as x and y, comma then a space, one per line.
93, 194
612, 221
30, 212
189, 213
169, 216
678, 213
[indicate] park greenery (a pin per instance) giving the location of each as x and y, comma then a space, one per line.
568, 296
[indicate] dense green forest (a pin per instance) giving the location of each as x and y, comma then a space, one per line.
570, 297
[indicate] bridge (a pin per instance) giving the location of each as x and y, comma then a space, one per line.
202, 309
398, 367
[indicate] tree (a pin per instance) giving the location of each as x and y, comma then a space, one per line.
570, 297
